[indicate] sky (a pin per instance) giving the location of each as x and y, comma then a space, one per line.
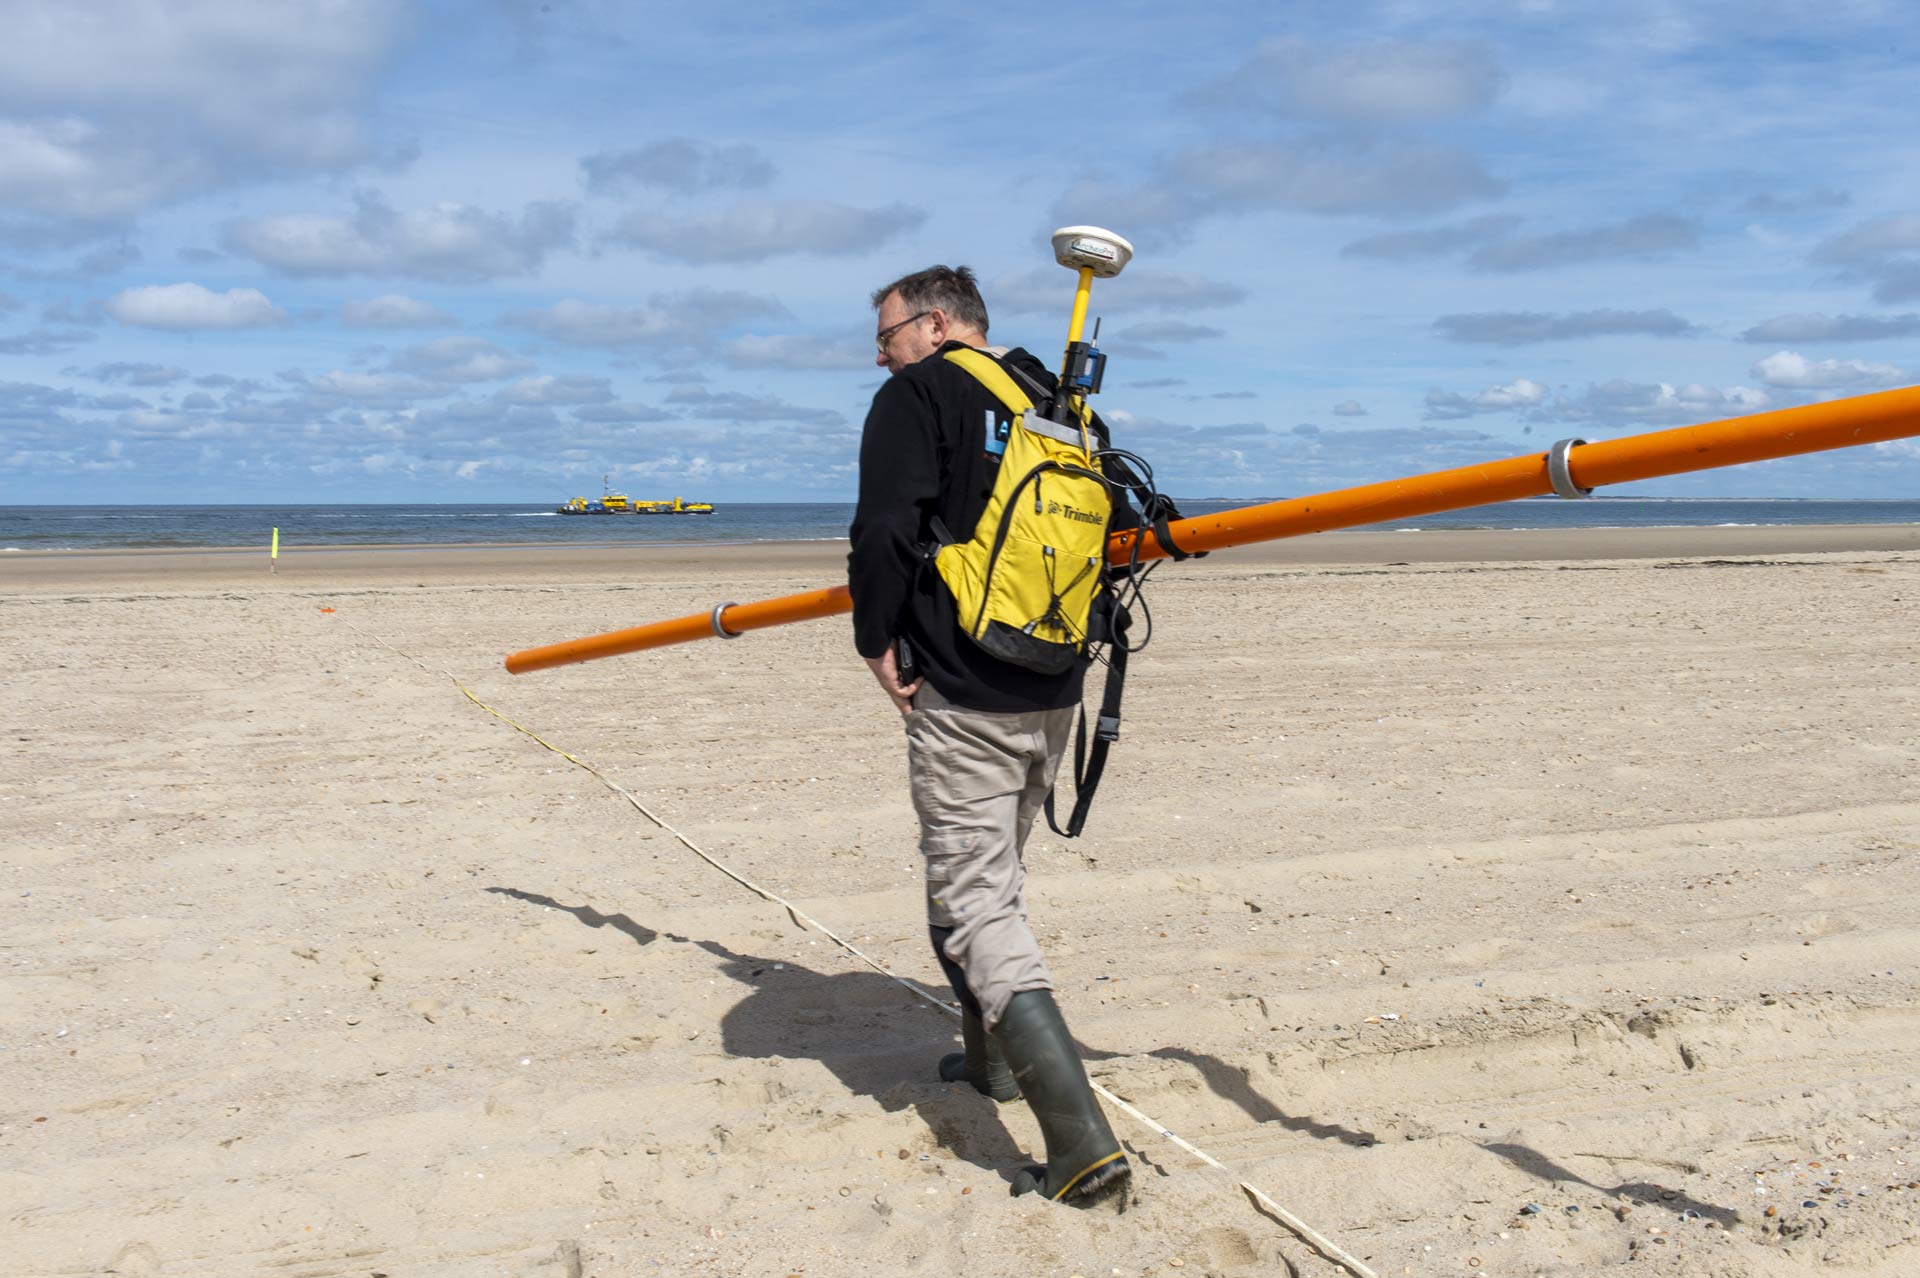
392, 251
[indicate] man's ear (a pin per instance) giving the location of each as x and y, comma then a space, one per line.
940, 325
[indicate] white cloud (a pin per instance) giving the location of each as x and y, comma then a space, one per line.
1792, 369
448, 242
1493, 243
1326, 176
1139, 340
1651, 235
395, 310
1438, 241
1873, 241
698, 402
113, 106
1383, 82
1518, 393
1769, 204
107, 259
596, 324
1833, 328
755, 232
45, 167
459, 359
165, 424
677, 164
44, 341
1050, 289
191, 306
1522, 392
548, 389
621, 413
126, 373
1518, 328
375, 388
1883, 250
692, 319
1171, 330
1619, 403
1334, 177
800, 351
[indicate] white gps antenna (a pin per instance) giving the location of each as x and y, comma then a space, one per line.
1091, 248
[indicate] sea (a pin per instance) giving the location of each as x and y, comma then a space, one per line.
36, 528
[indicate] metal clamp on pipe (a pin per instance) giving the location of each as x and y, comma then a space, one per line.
719, 629
1556, 471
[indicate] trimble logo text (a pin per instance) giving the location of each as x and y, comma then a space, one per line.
1078, 516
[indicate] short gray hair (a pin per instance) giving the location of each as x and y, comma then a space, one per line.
951, 289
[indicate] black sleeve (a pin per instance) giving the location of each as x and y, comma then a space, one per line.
899, 491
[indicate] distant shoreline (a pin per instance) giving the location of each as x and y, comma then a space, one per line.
1571, 539
548, 507
812, 563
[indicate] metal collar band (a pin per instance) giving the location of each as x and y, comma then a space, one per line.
1556, 471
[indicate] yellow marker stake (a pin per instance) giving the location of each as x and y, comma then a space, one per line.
273, 558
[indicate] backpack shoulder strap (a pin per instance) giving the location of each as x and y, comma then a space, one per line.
987, 371
1039, 392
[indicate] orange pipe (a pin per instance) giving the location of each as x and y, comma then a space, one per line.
1787, 432
737, 619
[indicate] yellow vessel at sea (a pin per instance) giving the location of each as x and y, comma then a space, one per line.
675, 507
612, 503
621, 504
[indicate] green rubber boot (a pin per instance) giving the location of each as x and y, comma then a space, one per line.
1084, 1162
981, 1064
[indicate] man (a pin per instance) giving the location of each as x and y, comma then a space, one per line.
984, 737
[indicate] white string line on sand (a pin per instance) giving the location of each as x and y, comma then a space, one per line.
1305, 1232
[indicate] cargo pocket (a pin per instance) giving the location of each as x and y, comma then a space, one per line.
951, 875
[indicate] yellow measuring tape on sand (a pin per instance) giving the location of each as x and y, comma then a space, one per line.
1305, 1232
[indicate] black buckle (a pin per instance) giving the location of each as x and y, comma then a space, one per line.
1107, 728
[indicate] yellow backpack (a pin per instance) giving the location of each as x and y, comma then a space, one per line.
1025, 583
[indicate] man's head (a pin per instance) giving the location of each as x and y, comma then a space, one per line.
917, 314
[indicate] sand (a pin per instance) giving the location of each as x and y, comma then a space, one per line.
1516, 903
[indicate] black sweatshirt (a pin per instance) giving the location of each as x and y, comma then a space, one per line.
922, 454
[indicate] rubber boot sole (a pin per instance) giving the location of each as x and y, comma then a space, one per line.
1101, 1183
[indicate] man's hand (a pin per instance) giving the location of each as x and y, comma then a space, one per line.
887, 671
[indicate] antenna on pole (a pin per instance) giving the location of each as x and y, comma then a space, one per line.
1096, 253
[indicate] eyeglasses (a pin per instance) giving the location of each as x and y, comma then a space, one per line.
885, 335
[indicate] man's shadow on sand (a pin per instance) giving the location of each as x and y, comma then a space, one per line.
882, 1042
875, 1037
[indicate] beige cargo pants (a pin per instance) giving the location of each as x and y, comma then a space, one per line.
979, 779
